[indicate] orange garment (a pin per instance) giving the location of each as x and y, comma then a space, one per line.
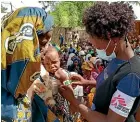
90, 98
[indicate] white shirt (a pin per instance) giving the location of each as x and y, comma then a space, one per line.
78, 91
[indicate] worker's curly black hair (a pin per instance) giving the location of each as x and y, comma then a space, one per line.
107, 20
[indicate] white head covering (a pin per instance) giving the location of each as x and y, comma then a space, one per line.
81, 53
97, 60
69, 62
87, 56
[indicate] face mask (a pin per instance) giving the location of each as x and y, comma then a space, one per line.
102, 53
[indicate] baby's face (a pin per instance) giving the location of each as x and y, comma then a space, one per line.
52, 62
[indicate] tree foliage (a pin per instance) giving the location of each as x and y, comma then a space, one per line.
69, 13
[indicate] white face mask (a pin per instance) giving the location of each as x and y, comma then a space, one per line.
102, 53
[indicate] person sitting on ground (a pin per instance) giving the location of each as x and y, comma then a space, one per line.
75, 67
98, 65
70, 62
87, 68
82, 56
88, 56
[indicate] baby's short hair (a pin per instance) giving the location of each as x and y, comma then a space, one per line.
50, 49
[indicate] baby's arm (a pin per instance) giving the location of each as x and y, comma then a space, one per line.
42, 87
63, 77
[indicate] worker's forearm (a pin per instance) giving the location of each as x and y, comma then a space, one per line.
88, 114
91, 82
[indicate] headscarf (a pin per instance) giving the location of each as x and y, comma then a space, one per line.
76, 59
87, 66
69, 62
81, 53
97, 60
20, 48
87, 57
21, 61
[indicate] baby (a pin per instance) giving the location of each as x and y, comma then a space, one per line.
57, 76
51, 63
46, 86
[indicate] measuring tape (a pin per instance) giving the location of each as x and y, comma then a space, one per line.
67, 82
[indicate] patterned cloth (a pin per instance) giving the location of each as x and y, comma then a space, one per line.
20, 47
23, 110
61, 108
20, 57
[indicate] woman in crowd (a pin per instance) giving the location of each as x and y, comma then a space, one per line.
75, 67
97, 63
88, 74
88, 56
87, 68
70, 62
24, 34
117, 95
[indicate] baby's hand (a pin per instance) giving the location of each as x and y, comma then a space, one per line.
38, 86
44, 92
61, 75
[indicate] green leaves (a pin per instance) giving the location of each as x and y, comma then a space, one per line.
69, 14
